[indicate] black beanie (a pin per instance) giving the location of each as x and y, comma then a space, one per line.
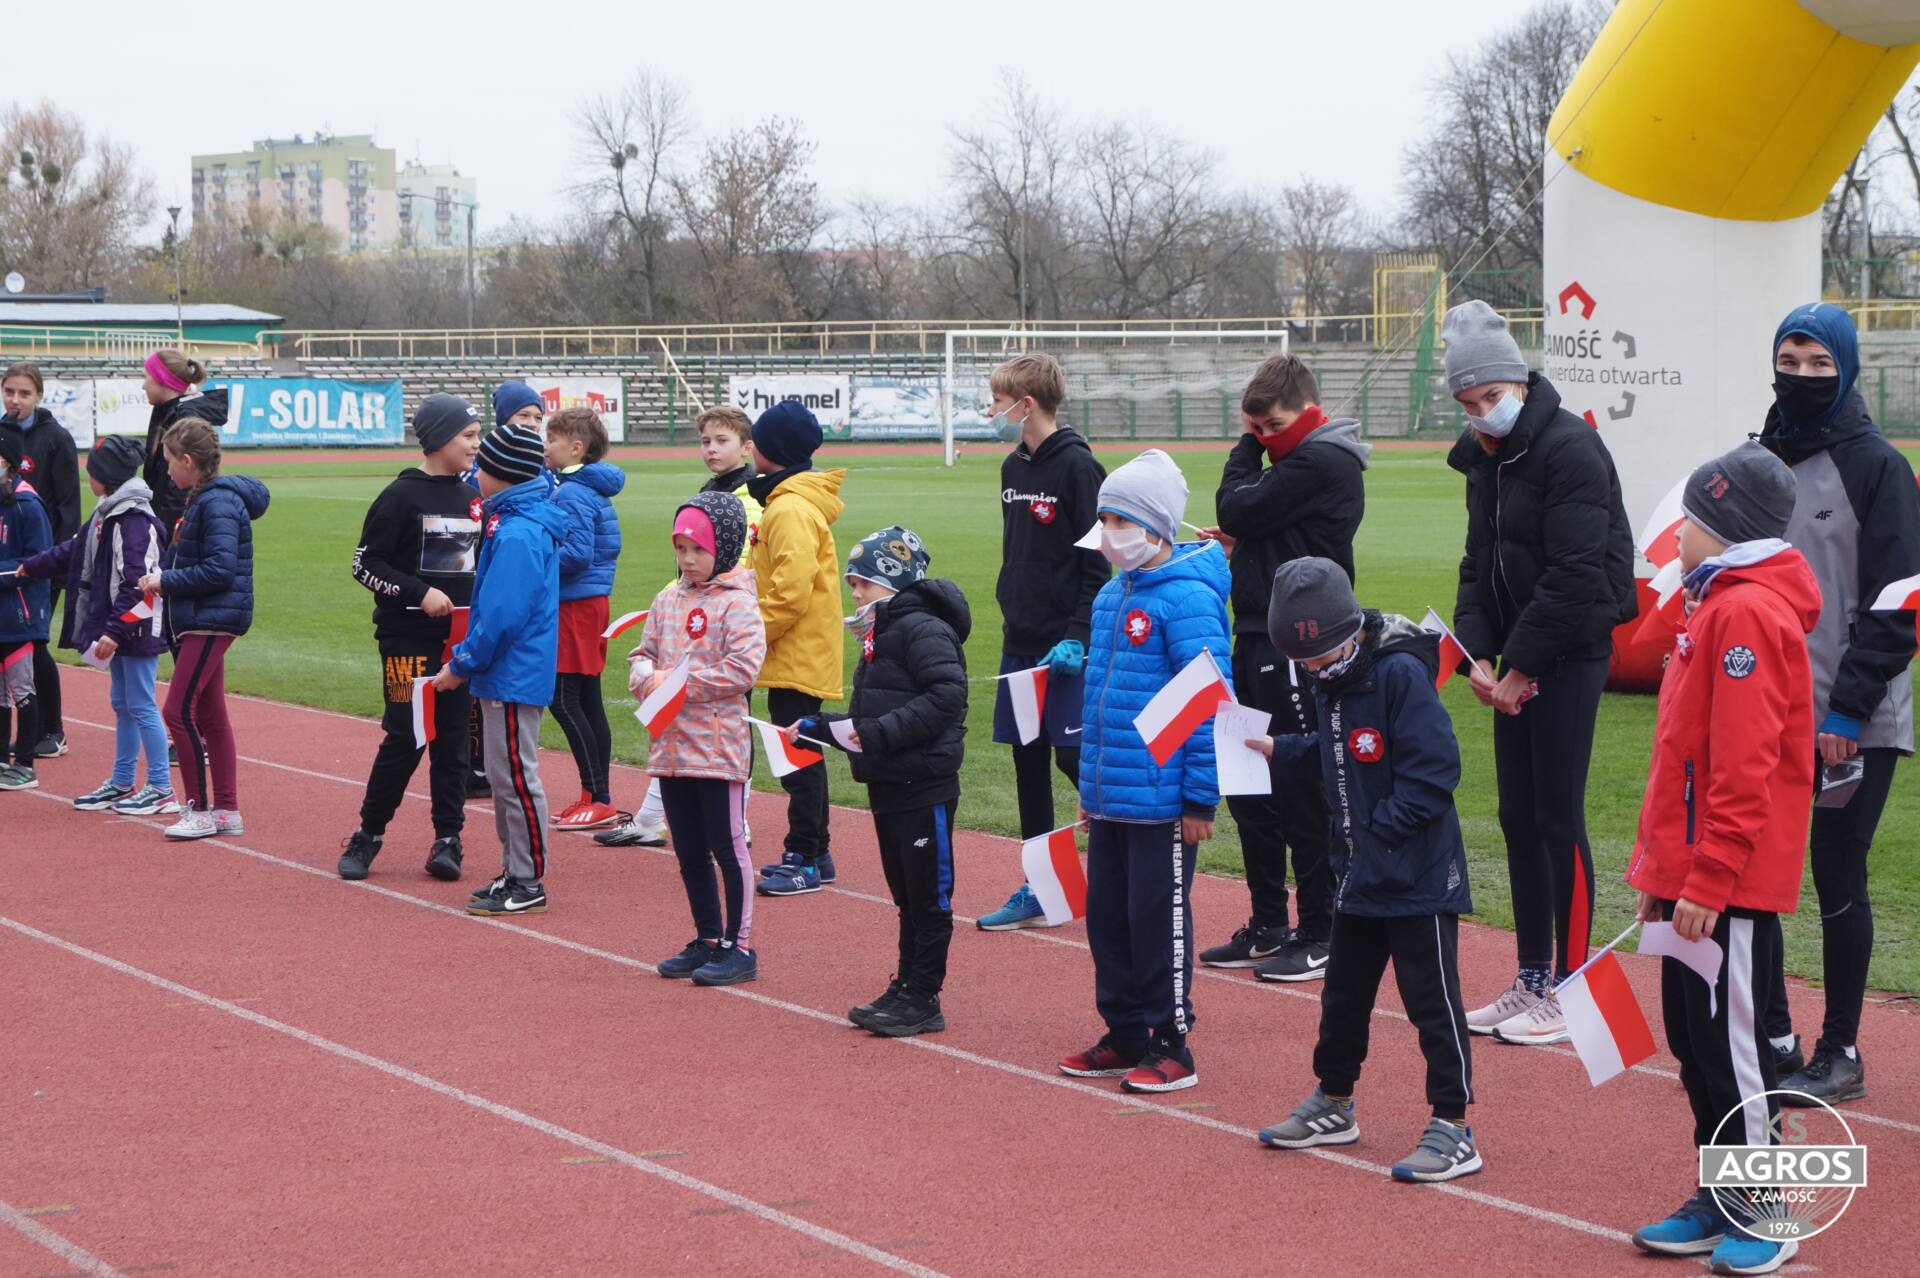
788, 434
1744, 495
439, 418
1313, 610
114, 459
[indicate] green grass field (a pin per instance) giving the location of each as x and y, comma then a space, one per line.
312, 643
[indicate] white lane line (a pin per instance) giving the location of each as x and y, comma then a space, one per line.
79, 1257
773, 1215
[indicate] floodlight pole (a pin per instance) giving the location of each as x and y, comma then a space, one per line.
179, 288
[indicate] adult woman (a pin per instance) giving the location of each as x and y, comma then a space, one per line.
49, 462
1547, 575
170, 379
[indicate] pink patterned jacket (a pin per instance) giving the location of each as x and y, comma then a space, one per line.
718, 624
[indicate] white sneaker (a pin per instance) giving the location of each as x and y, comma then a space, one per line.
1538, 1025
1519, 999
227, 822
192, 825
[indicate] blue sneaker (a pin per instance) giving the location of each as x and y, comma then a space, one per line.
790, 880
696, 955
730, 966
1695, 1226
1741, 1253
1021, 910
795, 860
824, 866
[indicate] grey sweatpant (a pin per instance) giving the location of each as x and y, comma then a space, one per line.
512, 734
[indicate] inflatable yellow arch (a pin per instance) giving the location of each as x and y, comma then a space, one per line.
1685, 172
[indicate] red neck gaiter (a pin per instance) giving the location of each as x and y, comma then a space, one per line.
1309, 420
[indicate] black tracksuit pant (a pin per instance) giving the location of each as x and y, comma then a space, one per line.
46, 676
707, 818
1140, 928
401, 662
1294, 815
1838, 847
807, 800
916, 854
1425, 950
1540, 759
1724, 1056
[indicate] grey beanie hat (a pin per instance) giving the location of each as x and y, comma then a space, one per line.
1744, 495
1479, 348
1313, 610
1149, 490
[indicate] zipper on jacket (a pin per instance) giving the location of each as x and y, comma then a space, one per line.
1689, 797
1100, 704
1499, 559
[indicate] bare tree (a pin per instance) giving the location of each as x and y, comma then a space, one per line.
70, 208
1319, 227
752, 214
1148, 217
631, 140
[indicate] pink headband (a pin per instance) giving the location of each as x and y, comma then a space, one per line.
692, 522
162, 374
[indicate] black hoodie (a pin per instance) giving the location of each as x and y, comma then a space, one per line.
170, 502
422, 532
1048, 500
51, 464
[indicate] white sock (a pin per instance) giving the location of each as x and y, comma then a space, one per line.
1784, 1044
1851, 1054
651, 812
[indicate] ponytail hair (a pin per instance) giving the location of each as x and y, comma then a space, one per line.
193, 438
185, 369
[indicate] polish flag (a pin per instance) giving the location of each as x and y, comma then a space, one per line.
842, 730
1054, 873
660, 707
1899, 596
623, 623
456, 632
1452, 652
1669, 612
423, 731
1604, 1019
142, 611
1183, 705
781, 757
1657, 545
1028, 690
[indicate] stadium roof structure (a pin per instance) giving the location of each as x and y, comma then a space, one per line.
146, 314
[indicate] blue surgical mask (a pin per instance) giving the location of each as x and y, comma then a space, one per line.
1500, 419
1004, 430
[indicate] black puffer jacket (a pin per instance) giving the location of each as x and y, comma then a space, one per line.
1310, 502
170, 502
910, 698
1548, 571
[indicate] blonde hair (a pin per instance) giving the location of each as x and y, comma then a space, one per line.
725, 417
1034, 376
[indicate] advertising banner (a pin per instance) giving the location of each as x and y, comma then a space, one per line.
909, 408
279, 412
604, 395
829, 396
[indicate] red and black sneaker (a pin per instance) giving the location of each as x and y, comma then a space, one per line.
1162, 1071
1102, 1060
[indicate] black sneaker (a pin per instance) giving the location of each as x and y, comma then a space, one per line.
478, 787
907, 1015
515, 898
173, 756
1831, 1077
1788, 1061
631, 833
1297, 961
495, 888
864, 1013
695, 955
444, 861
1249, 947
51, 746
361, 848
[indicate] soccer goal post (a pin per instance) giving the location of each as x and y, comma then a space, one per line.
1145, 384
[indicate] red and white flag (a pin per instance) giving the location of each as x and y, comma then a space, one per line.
1704, 956
423, 730
1669, 612
623, 623
1899, 596
1183, 705
456, 632
1603, 1017
1452, 651
1027, 689
1657, 544
1059, 883
781, 757
141, 611
664, 702
842, 730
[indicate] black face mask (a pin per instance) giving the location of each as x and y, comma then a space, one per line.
1803, 400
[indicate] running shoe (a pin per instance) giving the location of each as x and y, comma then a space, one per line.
146, 801
1446, 1151
1317, 1120
105, 797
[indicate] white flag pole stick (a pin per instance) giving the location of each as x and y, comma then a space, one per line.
796, 736
1602, 953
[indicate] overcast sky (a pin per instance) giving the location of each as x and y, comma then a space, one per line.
1278, 89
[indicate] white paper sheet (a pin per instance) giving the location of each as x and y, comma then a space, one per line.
1242, 770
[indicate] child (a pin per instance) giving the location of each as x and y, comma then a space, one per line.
708, 616
1389, 763
908, 717
206, 577
102, 566
1292, 486
24, 615
726, 449
576, 443
509, 655
170, 377
1049, 486
49, 463
1724, 819
416, 555
1167, 607
797, 569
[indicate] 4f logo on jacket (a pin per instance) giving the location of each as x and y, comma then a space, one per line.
1739, 662
1139, 626
696, 623
1366, 745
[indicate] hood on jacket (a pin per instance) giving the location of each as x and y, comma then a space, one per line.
1343, 432
604, 478
819, 487
1830, 326
530, 500
252, 493
1199, 560
1381, 635
209, 406
1062, 439
132, 493
938, 596
1787, 574
739, 578
39, 417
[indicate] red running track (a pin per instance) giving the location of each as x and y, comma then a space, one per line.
232, 1062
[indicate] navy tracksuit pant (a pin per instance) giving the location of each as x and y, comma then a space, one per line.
1140, 928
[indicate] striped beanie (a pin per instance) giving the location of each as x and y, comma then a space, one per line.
512, 453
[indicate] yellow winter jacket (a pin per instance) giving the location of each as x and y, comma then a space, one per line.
798, 569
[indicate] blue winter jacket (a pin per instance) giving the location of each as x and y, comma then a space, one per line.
26, 606
1147, 624
513, 625
1389, 760
206, 575
593, 529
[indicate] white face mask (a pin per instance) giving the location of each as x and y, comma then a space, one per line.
862, 619
1126, 547
1500, 419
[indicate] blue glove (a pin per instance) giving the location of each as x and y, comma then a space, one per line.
1841, 725
1067, 657
810, 727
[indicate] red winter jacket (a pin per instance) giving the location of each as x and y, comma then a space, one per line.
1730, 788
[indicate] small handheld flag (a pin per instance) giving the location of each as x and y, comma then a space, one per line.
141, 611
1669, 611
623, 623
423, 723
784, 759
1656, 544
1604, 1020
1027, 689
842, 730
1900, 596
456, 632
664, 702
1055, 874
1178, 709
1453, 653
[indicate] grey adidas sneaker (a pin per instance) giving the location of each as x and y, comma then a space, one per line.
1519, 999
1318, 1120
1446, 1150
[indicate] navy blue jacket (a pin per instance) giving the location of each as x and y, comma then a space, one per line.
25, 605
588, 555
513, 625
127, 541
207, 573
51, 464
1389, 760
